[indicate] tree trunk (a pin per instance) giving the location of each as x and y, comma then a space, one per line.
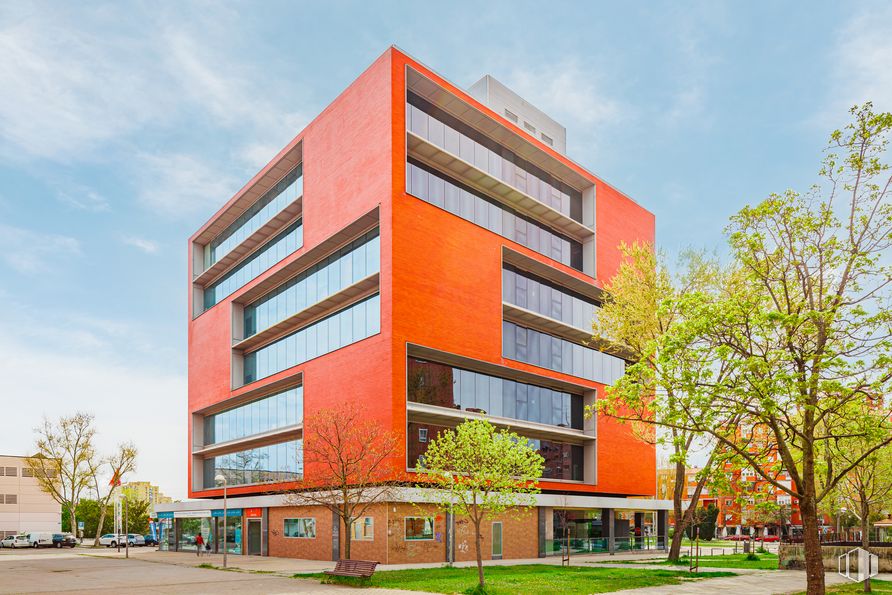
101, 524
865, 534
677, 491
479, 546
348, 536
814, 564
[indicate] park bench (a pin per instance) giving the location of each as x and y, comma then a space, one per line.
363, 569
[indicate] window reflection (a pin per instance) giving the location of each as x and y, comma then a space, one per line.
352, 263
269, 413
540, 349
288, 240
440, 190
445, 386
354, 323
285, 192
266, 464
533, 293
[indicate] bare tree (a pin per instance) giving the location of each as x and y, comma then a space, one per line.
115, 466
63, 459
350, 458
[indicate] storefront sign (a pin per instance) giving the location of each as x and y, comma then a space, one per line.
229, 512
191, 514
165, 515
254, 513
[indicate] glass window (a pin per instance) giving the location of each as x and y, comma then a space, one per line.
255, 264
266, 464
364, 529
495, 216
526, 290
320, 338
419, 528
285, 192
304, 528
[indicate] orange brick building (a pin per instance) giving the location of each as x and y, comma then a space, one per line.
432, 254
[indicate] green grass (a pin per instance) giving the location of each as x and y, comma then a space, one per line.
875, 587
764, 562
529, 578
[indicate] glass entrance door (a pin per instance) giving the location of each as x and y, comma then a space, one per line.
254, 537
497, 541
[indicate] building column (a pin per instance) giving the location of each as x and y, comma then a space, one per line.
608, 528
543, 530
264, 532
335, 536
663, 529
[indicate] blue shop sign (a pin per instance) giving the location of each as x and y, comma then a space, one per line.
229, 512
165, 515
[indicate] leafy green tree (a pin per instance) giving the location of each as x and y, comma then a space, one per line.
137, 515
88, 512
646, 304
482, 472
805, 323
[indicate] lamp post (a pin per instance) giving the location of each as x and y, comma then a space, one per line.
222, 479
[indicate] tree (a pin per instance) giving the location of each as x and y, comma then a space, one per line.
62, 462
352, 464
645, 304
88, 512
805, 322
866, 490
482, 472
137, 517
116, 465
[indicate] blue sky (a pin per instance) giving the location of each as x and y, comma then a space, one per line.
124, 125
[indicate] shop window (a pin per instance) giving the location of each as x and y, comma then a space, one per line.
419, 528
300, 528
364, 529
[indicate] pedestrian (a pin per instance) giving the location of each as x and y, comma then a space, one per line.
199, 543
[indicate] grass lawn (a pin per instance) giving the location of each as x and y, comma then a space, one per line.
530, 578
765, 561
875, 587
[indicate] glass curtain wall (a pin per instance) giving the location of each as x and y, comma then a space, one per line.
455, 388
285, 192
265, 464
442, 191
452, 135
352, 263
540, 349
287, 241
275, 411
538, 295
352, 324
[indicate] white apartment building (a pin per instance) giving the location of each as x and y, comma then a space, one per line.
24, 507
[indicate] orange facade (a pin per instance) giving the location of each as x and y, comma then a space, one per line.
439, 284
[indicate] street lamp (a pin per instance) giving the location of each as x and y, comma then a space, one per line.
222, 479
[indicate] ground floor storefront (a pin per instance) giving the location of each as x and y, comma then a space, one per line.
412, 531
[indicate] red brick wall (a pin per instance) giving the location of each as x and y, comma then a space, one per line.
318, 548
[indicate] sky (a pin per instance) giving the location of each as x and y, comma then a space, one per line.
124, 126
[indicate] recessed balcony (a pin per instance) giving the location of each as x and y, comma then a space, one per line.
279, 222
546, 324
436, 157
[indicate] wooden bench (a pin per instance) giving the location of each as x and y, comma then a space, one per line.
363, 569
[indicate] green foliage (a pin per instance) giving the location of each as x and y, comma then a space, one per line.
137, 515
481, 471
751, 557
88, 511
704, 518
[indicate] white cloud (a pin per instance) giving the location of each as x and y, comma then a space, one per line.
861, 68
181, 184
84, 199
147, 246
28, 251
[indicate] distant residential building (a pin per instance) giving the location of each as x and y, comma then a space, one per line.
144, 491
24, 507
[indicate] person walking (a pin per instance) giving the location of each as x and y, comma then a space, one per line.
199, 544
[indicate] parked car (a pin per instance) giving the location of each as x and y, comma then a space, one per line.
15, 541
136, 539
64, 540
768, 538
112, 540
738, 538
150, 540
40, 539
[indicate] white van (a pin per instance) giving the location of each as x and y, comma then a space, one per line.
41, 539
